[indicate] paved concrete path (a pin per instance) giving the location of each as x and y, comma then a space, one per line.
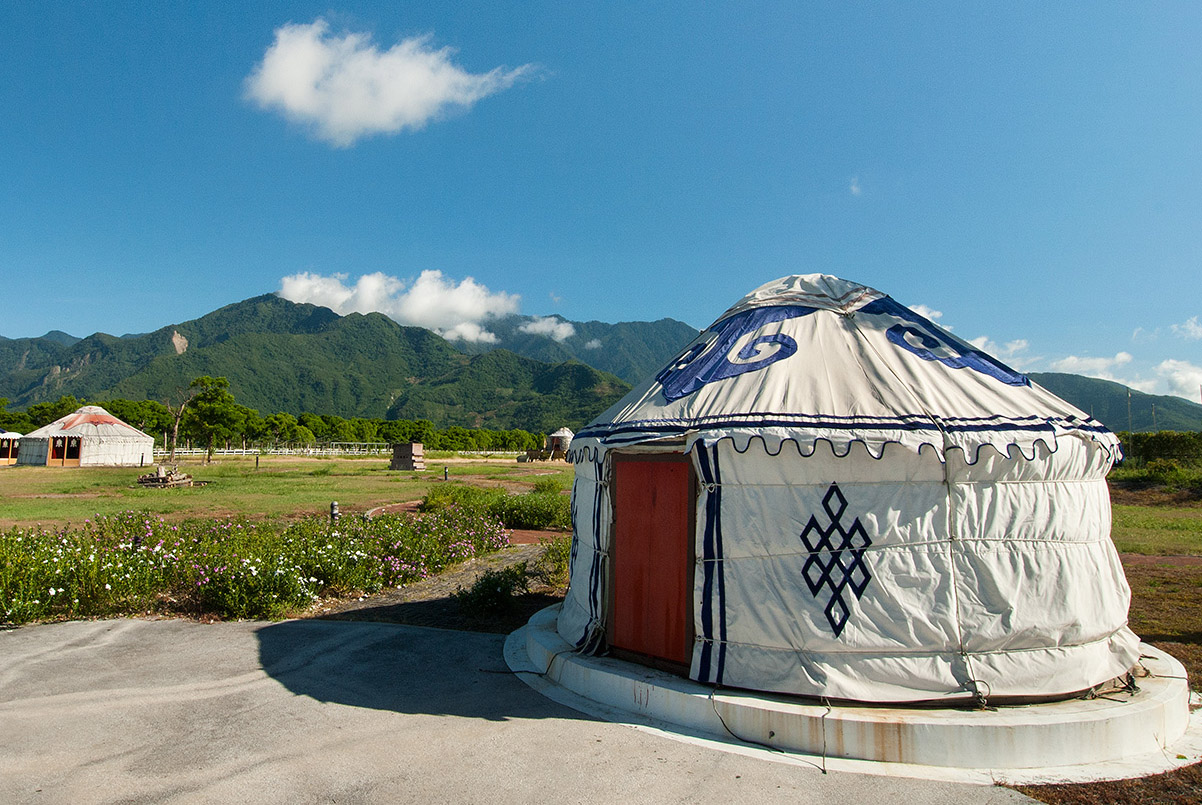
331, 711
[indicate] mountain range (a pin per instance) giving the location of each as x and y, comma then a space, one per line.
539, 374
286, 356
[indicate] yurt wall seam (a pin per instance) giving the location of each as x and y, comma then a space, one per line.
951, 512
713, 572
599, 569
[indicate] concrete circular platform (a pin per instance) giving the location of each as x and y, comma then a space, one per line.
1109, 737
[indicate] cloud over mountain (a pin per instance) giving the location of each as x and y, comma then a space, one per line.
551, 327
454, 310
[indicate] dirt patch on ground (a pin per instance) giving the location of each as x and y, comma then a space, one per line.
1181, 787
1128, 494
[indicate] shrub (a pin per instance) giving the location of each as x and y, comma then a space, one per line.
474, 498
493, 591
547, 486
537, 510
553, 565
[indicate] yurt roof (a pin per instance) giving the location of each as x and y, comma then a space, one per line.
9, 434
87, 421
563, 432
815, 357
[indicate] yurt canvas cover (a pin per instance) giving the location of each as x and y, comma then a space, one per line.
826, 494
89, 437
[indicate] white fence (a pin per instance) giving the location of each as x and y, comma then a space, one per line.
324, 449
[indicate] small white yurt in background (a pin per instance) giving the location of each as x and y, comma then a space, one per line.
89, 437
826, 494
10, 445
559, 441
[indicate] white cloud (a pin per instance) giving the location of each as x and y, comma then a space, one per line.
1012, 352
453, 310
928, 313
594, 344
345, 87
1190, 330
1182, 378
1091, 367
551, 327
854, 186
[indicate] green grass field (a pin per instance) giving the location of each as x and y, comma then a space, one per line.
1157, 530
284, 488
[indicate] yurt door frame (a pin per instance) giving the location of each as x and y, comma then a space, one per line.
63, 451
652, 559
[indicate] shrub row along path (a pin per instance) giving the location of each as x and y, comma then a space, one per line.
431, 602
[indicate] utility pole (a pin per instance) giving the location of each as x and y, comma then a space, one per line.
1129, 410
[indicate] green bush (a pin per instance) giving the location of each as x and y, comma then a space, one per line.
1140, 449
552, 566
474, 498
548, 486
493, 591
537, 510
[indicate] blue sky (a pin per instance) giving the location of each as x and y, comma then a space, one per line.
1030, 174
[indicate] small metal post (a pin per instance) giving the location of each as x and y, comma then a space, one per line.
256, 463
446, 471
334, 511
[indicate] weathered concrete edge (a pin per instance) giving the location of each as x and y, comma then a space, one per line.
1075, 741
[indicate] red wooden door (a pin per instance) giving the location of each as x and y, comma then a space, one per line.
653, 557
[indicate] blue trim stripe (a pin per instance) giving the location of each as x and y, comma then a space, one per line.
613, 433
719, 565
711, 573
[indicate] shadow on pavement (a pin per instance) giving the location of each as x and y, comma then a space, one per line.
401, 668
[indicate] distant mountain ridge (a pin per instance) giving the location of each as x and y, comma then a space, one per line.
287, 356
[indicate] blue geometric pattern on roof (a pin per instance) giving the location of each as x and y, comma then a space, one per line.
836, 560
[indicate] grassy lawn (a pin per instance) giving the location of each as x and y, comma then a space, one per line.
1158, 530
280, 488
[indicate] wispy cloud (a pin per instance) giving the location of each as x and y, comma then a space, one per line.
553, 328
454, 310
928, 313
593, 344
1091, 367
1190, 330
1182, 378
854, 186
1012, 352
344, 87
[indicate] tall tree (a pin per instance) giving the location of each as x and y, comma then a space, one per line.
17, 421
47, 412
176, 408
212, 413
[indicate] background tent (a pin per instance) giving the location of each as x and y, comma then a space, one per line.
89, 437
10, 444
827, 494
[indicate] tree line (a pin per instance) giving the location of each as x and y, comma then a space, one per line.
206, 414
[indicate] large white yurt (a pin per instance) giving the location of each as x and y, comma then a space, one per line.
826, 494
89, 437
